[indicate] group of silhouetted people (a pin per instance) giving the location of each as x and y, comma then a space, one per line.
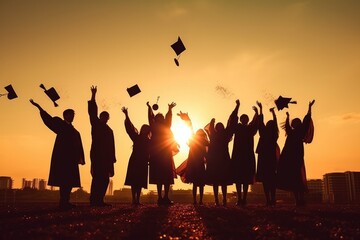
208, 163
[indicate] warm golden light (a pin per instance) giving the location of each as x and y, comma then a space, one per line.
182, 134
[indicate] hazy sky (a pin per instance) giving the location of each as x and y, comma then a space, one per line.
251, 50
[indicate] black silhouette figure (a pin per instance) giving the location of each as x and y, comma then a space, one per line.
162, 148
137, 171
268, 154
11, 94
243, 156
291, 173
67, 154
102, 152
218, 158
193, 170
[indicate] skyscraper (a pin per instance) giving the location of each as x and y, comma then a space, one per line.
6, 182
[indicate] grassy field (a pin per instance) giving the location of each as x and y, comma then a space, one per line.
180, 221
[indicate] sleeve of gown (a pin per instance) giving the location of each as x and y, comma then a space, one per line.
168, 118
151, 116
130, 129
308, 127
53, 123
93, 112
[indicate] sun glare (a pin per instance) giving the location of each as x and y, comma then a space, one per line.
182, 133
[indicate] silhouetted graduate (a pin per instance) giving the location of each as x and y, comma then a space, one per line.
268, 154
291, 173
52, 94
192, 170
10, 92
243, 156
67, 154
283, 102
102, 152
163, 147
178, 47
137, 171
218, 157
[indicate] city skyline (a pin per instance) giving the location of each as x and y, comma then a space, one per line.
234, 50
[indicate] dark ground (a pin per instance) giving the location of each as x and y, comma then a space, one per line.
180, 221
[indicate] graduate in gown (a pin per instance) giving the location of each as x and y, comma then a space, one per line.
137, 171
268, 153
291, 174
194, 170
243, 156
67, 154
162, 149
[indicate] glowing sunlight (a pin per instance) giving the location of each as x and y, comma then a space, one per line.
182, 133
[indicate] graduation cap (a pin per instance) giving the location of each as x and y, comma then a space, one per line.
178, 47
133, 90
11, 92
156, 106
282, 102
52, 94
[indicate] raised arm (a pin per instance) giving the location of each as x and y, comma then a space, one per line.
151, 117
54, 124
260, 120
92, 106
287, 126
129, 127
185, 117
168, 116
254, 122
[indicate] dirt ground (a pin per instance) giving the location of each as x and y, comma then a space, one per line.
180, 221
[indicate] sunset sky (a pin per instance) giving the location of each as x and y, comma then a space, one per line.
247, 50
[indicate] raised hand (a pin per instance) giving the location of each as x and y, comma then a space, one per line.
93, 89
287, 114
311, 103
237, 102
124, 110
148, 104
171, 105
259, 104
34, 103
272, 109
255, 109
184, 116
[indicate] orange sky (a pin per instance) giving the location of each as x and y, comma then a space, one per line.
255, 50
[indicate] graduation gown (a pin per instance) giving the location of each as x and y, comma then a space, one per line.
67, 153
291, 174
102, 152
137, 170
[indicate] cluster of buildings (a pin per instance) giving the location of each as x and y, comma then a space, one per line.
337, 187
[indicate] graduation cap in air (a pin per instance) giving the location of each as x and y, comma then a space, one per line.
52, 94
156, 106
133, 90
282, 102
11, 92
178, 47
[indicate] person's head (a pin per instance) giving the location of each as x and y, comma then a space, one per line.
104, 116
159, 118
244, 119
219, 127
145, 130
295, 123
271, 127
68, 115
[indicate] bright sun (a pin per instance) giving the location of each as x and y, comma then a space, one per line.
182, 133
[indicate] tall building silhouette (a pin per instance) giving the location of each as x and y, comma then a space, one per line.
342, 187
6, 182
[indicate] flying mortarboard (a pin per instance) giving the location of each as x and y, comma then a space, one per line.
133, 90
11, 92
282, 102
52, 94
178, 47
